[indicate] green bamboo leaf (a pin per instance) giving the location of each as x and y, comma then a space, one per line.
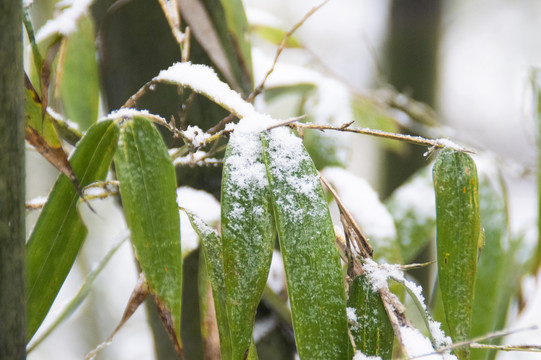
458, 234
276, 35
212, 249
491, 302
81, 295
79, 78
247, 233
41, 133
59, 232
371, 330
221, 29
314, 275
148, 191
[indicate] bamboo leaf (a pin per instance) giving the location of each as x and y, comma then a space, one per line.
247, 233
372, 330
314, 275
212, 248
41, 133
276, 35
59, 232
458, 234
81, 295
79, 78
491, 302
148, 191
221, 28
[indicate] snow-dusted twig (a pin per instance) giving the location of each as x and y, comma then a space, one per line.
417, 140
496, 334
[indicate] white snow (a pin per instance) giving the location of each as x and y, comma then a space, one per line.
378, 275
36, 202
196, 135
198, 158
288, 158
363, 203
360, 356
352, 315
128, 113
202, 204
276, 279
416, 344
66, 22
416, 196
245, 147
263, 327
204, 80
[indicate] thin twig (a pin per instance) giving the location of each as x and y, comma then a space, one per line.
351, 229
261, 86
526, 348
281, 48
286, 122
417, 140
476, 340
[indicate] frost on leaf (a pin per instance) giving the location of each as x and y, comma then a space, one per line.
288, 163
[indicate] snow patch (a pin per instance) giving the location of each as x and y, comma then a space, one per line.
363, 203
276, 279
66, 22
196, 135
416, 344
202, 204
360, 356
204, 80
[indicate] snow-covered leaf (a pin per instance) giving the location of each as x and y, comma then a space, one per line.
314, 276
248, 232
148, 191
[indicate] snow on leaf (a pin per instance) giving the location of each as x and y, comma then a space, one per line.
416, 344
66, 22
204, 80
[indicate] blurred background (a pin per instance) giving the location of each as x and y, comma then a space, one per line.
471, 61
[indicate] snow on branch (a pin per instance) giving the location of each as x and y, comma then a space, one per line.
66, 22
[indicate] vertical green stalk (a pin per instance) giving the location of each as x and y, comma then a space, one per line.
12, 231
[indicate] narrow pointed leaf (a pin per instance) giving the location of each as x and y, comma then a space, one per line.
276, 35
79, 84
81, 295
247, 233
490, 301
41, 133
458, 234
221, 28
314, 276
148, 191
372, 332
212, 248
59, 232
